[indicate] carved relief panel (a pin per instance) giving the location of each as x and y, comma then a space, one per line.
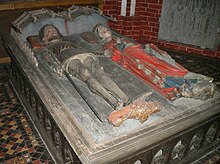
193, 22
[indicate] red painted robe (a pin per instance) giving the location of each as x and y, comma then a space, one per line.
148, 67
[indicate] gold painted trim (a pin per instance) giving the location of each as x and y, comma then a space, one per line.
46, 3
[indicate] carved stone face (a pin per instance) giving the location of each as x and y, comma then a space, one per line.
104, 33
50, 33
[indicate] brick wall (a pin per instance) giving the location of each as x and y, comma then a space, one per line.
144, 26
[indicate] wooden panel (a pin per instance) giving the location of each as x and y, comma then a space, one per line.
5, 60
46, 3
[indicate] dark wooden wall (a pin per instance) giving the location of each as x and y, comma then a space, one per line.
20, 4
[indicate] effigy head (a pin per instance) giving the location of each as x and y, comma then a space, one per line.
49, 33
103, 33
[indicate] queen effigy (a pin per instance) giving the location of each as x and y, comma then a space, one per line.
155, 67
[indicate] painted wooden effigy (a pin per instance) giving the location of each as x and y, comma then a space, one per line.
97, 108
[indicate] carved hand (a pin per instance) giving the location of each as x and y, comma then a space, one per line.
140, 110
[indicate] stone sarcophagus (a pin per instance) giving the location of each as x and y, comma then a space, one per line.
101, 98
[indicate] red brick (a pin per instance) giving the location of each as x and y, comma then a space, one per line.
152, 24
126, 33
111, 9
157, 24
152, 19
159, 11
126, 23
153, 40
141, 32
161, 43
143, 18
141, 41
119, 4
155, 6
150, 14
144, 39
139, 5
160, 2
153, 1
137, 13
143, 4
135, 32
177, 48
147, 39
111, 12
127, 28
149, 33
146, 28
144, 23
118, 8
118, 30
107, 7
172, 46
209, 53
128, 18
120, 17
119, 22
109, 2
157, 15
135, 37
143, 8
142, 12
194, 50
217, 54
136, 23
111, 24
182, 48
155, 29
138, 28
118, 26
118, 12
152, 10
136, 18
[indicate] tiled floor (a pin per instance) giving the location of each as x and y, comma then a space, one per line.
210, 158
19, 139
